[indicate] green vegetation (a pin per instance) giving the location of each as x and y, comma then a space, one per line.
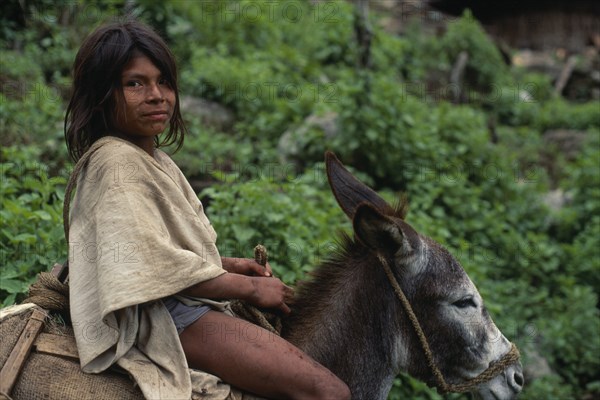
277, 65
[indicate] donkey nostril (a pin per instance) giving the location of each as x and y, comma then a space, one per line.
519, 379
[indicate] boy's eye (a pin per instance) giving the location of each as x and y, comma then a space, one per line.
133, 84
163, 81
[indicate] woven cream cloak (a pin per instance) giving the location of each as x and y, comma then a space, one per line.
138, 233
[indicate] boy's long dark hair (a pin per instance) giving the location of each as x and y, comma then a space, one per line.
97, 90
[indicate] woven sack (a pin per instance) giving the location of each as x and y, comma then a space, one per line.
47, 376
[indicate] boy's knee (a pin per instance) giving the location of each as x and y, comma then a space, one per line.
335, 390
344, 392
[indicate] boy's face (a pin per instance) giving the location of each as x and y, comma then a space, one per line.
149, 101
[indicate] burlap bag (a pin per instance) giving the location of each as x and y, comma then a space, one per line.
53, 377
47, 377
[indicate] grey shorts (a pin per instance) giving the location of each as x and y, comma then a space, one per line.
183, 315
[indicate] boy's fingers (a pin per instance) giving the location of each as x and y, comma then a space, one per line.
289, 293
284, 307
264, 270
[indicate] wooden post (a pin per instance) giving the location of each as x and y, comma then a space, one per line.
16, 360
364, 33
565, 75
457, 73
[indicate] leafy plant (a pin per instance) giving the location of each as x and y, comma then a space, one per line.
31, 238
295, 218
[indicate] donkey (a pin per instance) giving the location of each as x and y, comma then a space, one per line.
348, 317
390, 300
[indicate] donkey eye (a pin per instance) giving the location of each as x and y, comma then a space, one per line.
464, 303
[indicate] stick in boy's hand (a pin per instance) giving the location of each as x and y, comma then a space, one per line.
260, 255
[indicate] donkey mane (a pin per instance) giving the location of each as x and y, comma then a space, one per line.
400, 209
329, 270
316, 326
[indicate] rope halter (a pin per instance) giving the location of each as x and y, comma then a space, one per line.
492, 371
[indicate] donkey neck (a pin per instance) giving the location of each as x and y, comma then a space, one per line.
348, 319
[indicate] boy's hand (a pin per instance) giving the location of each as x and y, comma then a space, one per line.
271, 293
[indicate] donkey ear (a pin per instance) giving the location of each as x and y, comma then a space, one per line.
349, 191
383, 234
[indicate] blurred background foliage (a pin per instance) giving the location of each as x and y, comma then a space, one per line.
268, 87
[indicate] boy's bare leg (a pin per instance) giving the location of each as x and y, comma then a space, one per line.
253, 359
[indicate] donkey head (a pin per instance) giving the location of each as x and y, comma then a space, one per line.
463, 339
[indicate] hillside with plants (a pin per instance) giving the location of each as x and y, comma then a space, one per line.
267, 87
